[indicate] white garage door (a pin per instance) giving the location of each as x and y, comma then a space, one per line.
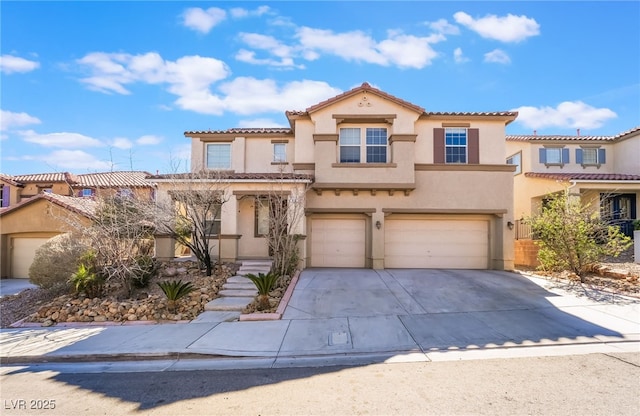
337, 242
436, 244
22, 254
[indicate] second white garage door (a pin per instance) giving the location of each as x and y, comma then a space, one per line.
337, 242
22, 254
436, 243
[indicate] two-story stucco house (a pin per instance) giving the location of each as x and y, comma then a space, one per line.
602, 170
387, 184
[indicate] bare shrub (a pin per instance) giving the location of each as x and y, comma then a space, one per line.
55, 261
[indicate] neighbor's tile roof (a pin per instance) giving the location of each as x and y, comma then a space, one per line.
241, 130
9, 179
527, 138
46, 177
584, 176
129, 179
233, 176
82, 206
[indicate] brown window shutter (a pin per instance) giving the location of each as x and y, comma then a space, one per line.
474, 146
438, 145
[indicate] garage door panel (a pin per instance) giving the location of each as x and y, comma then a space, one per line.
441, 243
338, 243
22, 255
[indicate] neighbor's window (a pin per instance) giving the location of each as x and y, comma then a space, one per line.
590, 156
455, 142
374, 150
554, 155
218, 156
279, 152
86, 192
125, 193
516, 160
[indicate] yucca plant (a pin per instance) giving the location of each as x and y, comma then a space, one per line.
174, 290
264, 283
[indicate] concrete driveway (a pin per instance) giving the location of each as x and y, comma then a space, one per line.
452, 309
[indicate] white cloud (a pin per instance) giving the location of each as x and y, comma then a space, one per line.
497, 56
269, 44
64, 139
239, 12
261, 122
568, 114
459, 57
121, 143
148, 139
404, 51
508, 28
189, 77
10, 64
203, 20
75, 160
444, 27
246, 95
9, 120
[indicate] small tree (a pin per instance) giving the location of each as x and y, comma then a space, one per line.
192, 214
572, 237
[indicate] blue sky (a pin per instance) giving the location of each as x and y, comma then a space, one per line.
98, 86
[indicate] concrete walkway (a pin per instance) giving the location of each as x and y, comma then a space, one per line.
340, 316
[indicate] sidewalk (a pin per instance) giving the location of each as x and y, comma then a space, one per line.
571, 325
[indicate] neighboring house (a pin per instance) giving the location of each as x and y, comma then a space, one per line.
31, 223
388, 184
15, 189
602, 170
25, 219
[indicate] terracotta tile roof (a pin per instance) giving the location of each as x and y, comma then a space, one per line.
239, 130
474, 113
46, 177
82, 206
527, 138
127, 179
234, 176
627, 133
365, 87
584, 176
9, 179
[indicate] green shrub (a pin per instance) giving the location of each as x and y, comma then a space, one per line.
264, 283
87, 281
55, 261
174, 290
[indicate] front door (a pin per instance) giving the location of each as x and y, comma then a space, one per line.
619, 210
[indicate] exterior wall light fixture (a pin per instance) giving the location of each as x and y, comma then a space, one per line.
378, 225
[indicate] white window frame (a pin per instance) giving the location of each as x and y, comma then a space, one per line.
219, 164
588, 150
514, 157
549, 151
362, 145
279, 153
456, 130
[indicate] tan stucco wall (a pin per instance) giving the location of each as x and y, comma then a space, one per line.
38, 219
627, 155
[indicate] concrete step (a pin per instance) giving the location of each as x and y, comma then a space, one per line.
238, 293
238, 279
259, 263
235, 286
244, 272
217, 316
228, 304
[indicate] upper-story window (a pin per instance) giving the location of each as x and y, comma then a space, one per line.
375, 145
455, 145
125, 193
516, 160
554, 156
218, 155
279, 152
86, 192
590, 156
